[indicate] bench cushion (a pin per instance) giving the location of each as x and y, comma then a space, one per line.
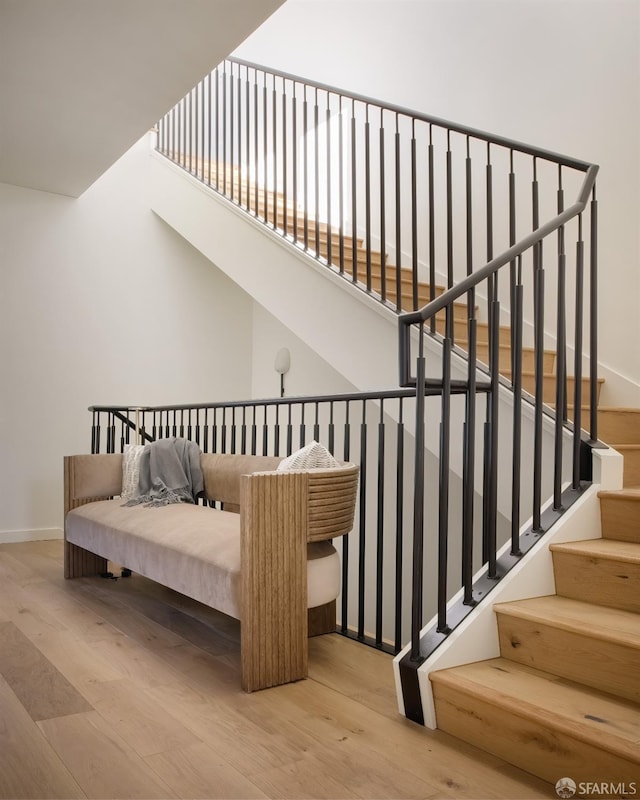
189, 548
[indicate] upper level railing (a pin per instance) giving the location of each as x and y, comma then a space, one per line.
358, 183
458, 231
367, 428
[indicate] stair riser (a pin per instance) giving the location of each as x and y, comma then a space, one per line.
528, 358
549, 390
619, 426
527, 743
608, 666
620, 518
459, 311
603, 581
631, 467
348, 256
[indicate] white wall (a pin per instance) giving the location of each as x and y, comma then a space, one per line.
309, 374
101, 304
560, 74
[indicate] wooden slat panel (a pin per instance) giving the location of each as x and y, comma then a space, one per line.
274, 579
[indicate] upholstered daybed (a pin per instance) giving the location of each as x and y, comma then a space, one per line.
265, 565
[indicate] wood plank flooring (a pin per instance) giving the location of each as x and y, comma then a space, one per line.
124, 689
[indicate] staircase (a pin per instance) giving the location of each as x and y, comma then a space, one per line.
563, 698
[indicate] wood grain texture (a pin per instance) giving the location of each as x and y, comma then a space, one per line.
342, 722
77, 561
601, 571
29, 766
273, 542
620, 515
620, 425
39, 686
539, 722
586, 643
101, 762
331, 503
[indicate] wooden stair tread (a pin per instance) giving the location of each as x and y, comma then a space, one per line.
590, 619
601, 720
631, 493
601, 548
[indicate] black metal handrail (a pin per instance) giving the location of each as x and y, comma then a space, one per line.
359, 427
424, 215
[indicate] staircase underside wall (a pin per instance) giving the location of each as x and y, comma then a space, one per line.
358, 339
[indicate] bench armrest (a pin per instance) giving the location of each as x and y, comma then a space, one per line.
279, 513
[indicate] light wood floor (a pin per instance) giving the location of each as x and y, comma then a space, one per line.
124, 689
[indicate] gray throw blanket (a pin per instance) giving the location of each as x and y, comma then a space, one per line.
169, 473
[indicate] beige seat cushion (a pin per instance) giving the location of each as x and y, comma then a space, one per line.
192, 549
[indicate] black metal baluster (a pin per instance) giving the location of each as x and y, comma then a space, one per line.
239, 127
183, 136
265, 433
265, 180
289, 434
362, 531
512, 266
380, 527
516, 344
305, 168
418, 506
577, 368
414, 219
561, 355
274, 145
344, 600
539, 389
367, 195
331, 445
492, 282
243, 432
233, 430
232, 114
354, 206
316, 424
316, 174
256, 146
217, 127
205, 432
224, 129
294, 160
209, 127
95, 432
468, 467
398, 220
399, 587
285, 221
383, 219
199, 117
593, 319
492, 513
328, 129
443, 487
302, 429
340, 187
247, 136
432, 228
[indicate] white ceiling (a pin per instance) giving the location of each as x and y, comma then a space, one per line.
82, 80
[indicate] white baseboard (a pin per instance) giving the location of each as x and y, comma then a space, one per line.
38, 535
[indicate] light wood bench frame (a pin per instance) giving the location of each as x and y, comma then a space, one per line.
279, 513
